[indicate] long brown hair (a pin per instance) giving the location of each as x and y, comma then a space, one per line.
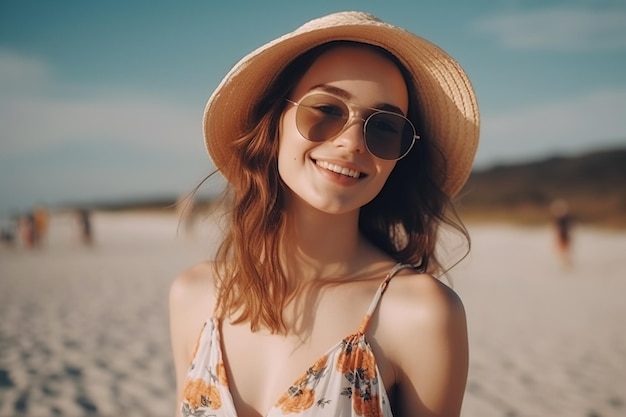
403, 220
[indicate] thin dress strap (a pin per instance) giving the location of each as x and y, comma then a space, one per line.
379, 293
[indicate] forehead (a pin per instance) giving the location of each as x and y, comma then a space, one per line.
363, 71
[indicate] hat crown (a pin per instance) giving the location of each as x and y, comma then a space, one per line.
341, 19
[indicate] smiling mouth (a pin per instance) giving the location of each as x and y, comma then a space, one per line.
352, 173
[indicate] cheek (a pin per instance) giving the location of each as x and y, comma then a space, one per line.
385, 168
286, 159
289, 152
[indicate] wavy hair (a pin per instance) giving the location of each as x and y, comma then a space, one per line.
402, 220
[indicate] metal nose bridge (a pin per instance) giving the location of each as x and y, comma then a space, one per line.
353, 117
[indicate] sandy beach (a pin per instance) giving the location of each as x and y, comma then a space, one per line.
84, 329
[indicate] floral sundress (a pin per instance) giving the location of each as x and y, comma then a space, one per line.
345, 381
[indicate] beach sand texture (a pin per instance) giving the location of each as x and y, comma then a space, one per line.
84, 330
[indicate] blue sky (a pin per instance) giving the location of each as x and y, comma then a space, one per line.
103, 100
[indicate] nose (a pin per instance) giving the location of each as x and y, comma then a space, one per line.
352, 137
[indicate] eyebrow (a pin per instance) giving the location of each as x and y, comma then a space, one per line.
341, 93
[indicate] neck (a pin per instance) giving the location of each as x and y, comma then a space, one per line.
318, 244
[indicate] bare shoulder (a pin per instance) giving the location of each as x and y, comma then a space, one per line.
422, 329
424, 301
191, 300
432, 314
195, 282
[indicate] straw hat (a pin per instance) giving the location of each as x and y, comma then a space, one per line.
447, 100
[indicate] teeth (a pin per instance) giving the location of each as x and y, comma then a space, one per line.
339, 170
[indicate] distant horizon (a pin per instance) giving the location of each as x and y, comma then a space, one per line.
601, 146
121, 201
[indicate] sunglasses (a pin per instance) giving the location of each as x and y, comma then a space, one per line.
388, 135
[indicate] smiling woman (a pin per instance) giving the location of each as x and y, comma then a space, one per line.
343, 143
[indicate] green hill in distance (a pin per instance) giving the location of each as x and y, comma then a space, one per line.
593, 184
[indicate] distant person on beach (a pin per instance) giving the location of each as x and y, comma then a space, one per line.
41, 219
343, 144
84, 223
29, 234
562, 223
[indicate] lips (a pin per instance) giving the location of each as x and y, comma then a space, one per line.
337, 169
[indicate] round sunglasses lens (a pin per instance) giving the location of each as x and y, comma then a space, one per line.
320, 117
388, 135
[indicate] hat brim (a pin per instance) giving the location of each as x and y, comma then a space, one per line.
445, 96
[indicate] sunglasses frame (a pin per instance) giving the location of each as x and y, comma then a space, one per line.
352, 114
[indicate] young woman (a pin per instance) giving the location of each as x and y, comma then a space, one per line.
343, 143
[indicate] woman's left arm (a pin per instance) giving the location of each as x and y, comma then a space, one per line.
432, 368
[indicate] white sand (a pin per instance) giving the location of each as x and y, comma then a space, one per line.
84, 330
545, 341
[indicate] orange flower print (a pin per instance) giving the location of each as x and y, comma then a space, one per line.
197, 393
296, 400
366, 406
301, 395
320, 364
221, 374
356, 355
357, 364
367, 362
215, 400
